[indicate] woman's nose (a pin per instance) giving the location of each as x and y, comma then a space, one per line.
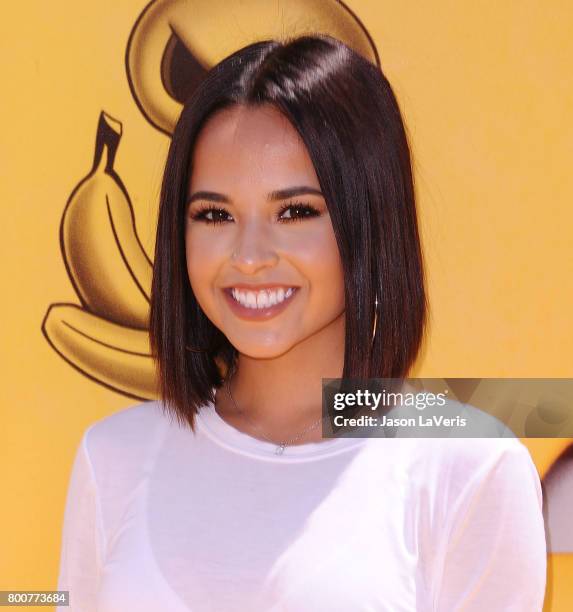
253, 249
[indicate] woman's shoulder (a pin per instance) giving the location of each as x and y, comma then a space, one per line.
459, 457
140, 414
135, 423
466, 458
124, 441
457, 469
460, 437
487, 443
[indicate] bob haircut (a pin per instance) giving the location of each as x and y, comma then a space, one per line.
345, 111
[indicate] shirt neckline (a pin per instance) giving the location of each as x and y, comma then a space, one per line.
226, 435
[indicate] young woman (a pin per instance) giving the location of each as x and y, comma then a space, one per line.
287, 252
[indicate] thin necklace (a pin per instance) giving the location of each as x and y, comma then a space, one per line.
281, 446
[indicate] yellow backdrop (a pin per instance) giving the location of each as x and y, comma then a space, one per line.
487, 97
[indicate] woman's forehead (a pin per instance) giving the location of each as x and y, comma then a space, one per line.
257, 143
255, 126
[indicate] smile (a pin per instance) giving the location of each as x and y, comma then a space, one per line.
259, 304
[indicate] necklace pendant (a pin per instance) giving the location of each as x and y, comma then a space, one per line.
280, 449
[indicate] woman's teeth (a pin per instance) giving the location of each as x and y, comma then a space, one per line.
262, 299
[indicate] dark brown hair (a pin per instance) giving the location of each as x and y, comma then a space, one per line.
344, 109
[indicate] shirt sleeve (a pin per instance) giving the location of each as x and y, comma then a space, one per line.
495, 554
82, 536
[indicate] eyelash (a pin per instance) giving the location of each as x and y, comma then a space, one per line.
302, 206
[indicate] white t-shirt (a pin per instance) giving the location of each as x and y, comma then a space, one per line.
159, 518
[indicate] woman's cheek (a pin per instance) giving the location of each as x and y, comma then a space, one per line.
319, 252
199, 268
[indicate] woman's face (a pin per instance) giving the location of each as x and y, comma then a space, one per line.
262, 238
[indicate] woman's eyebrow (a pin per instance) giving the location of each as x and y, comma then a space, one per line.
290, 192
280, 194
208, 195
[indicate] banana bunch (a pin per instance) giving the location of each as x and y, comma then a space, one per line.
106, 337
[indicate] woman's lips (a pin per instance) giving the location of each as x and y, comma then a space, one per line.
251, 314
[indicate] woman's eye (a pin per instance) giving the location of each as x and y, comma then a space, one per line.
296, 211
210, 214
301, 211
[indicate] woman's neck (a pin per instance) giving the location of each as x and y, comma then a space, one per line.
282, 396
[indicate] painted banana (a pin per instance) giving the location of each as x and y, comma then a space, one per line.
116, 356
107, 265
170, 39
